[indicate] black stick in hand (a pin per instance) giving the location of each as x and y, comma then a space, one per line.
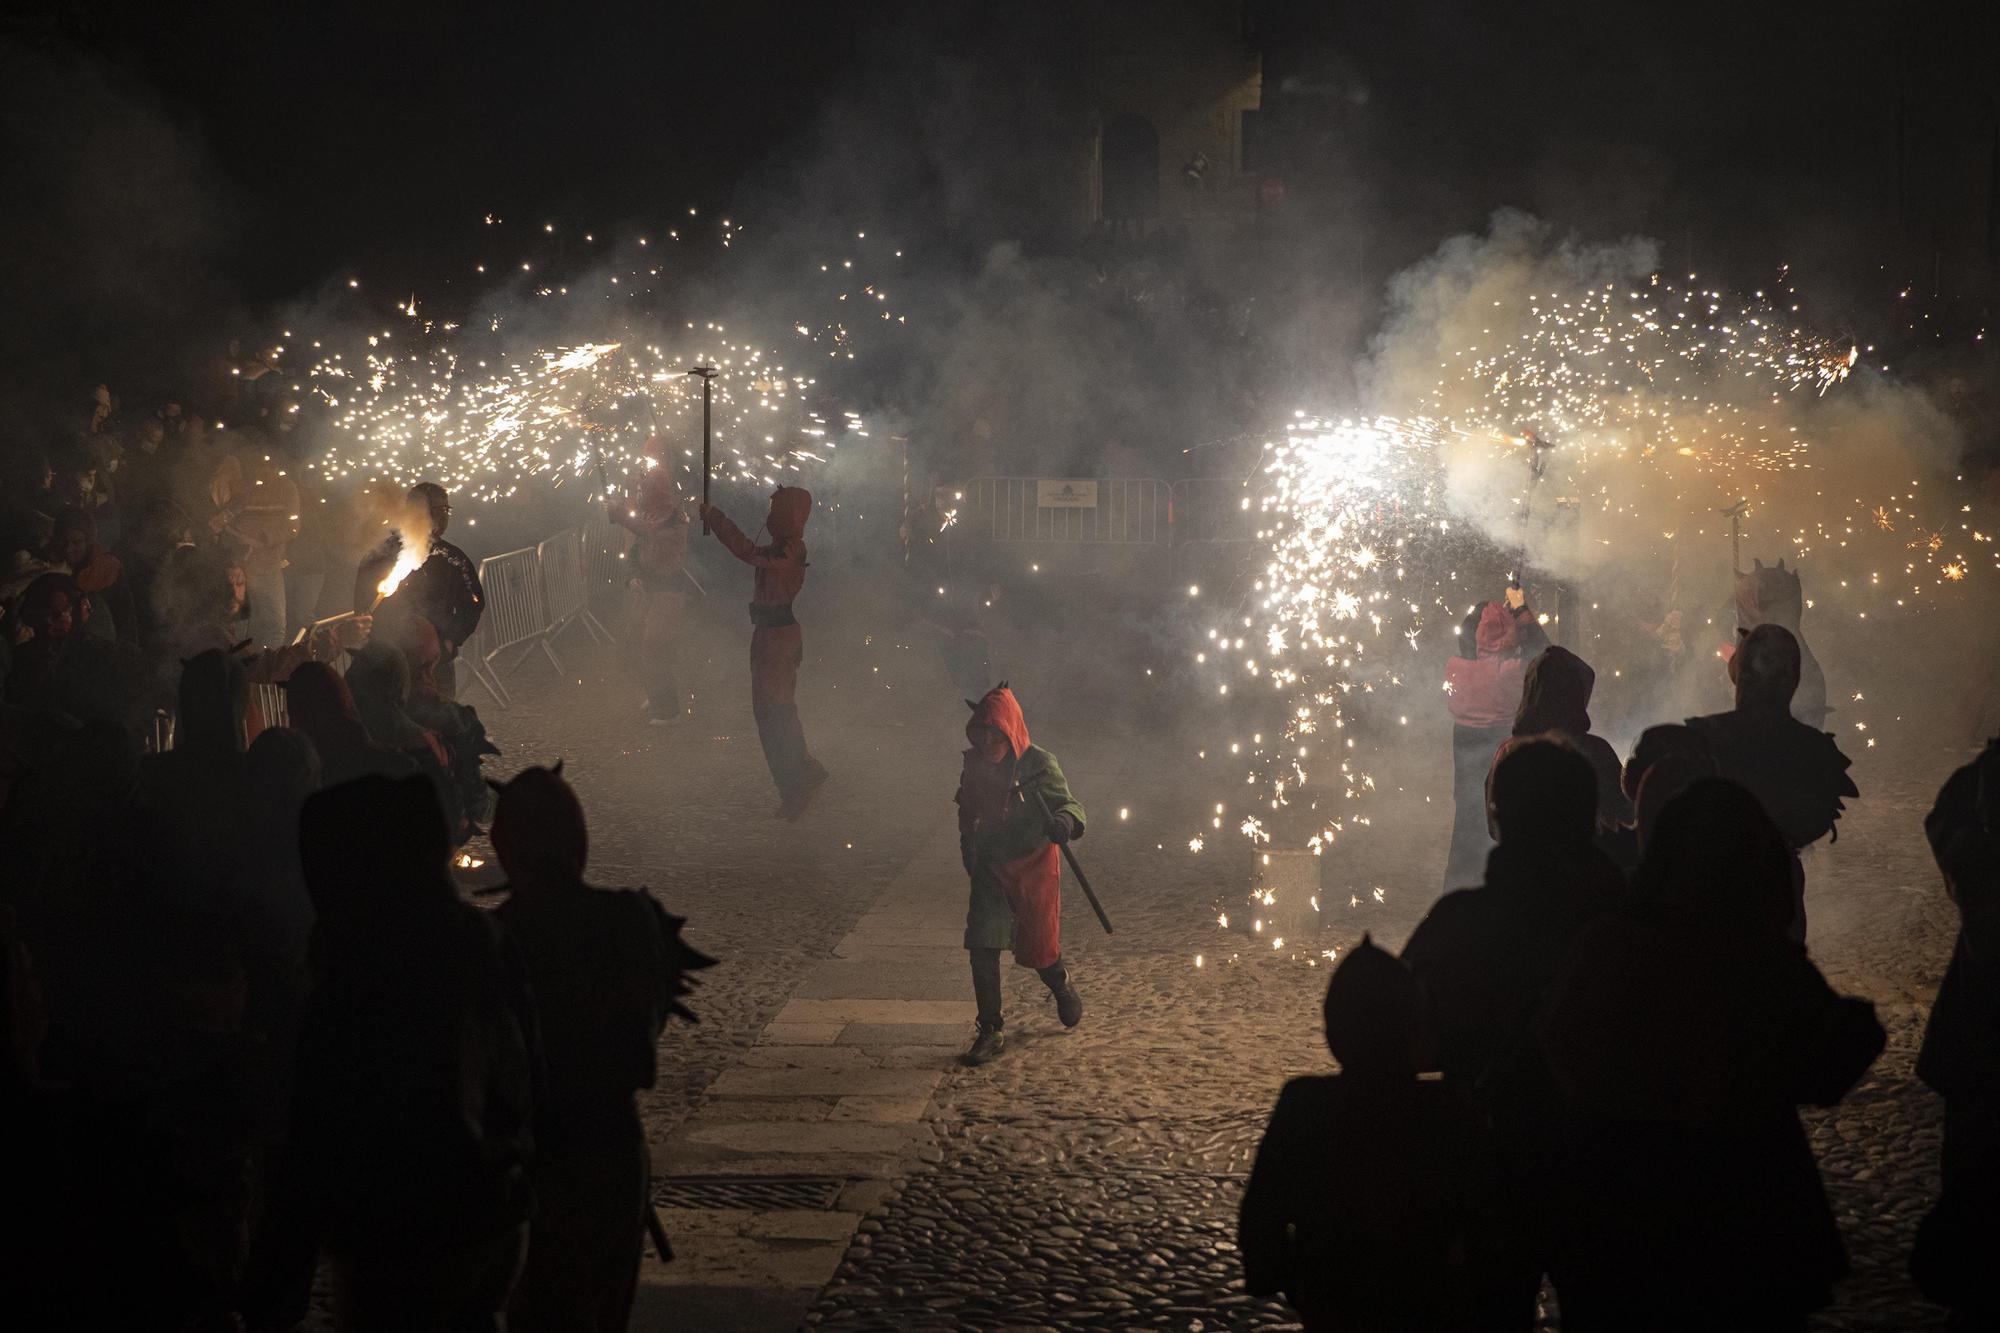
1048, 817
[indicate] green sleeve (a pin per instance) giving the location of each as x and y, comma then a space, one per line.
1054, 789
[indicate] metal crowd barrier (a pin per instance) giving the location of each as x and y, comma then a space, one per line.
1096, 510
516, 618
268, 708
565, 591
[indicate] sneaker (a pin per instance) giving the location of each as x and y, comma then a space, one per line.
985, 1048
1069, 1005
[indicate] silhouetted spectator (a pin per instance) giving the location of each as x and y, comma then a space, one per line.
64, 1155
1960, 1059
1796, 772
60, 667
379, 679
1355, 1207
1685, 1032
1774, 596
1486, 958
456, 724
607, 968
320, 705
76, 551
1682, 757
281, 770
412, 1085
1555, 698
1483, 692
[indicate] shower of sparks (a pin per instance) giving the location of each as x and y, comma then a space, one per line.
1658, 406
486, 413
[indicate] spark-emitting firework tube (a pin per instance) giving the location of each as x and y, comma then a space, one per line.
707, 374
1069, 856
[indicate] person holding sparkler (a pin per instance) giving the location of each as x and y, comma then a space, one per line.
1014, 807
1483, 691
443, 587
777, 644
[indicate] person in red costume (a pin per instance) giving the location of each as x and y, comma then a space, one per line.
1483, 691
777, 645
658, 522
1014, 806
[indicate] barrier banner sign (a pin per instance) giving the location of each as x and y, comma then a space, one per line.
1066, 494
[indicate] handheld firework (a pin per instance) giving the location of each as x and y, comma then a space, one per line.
1538, 464
707, 374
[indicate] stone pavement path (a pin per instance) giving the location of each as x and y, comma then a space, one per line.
838, 1086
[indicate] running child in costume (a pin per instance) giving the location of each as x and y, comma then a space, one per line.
1008, 844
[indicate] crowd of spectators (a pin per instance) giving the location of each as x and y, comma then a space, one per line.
1620, 1020
219, 900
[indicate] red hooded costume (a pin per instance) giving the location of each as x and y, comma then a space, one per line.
1485, 691
1015, 869
777, 645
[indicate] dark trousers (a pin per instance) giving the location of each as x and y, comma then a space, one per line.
1471, 760
584, 1245
461, 1289
986, 984
775, 654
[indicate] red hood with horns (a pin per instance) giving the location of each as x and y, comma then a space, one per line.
1001, 711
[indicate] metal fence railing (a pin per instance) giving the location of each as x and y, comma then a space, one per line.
516, 619
1126, 511
565, 590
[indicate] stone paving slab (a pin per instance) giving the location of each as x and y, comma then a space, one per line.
902, 1034
881, 1110
872, 980
747, 1081
960, 1011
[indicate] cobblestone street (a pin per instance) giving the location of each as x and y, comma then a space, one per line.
1089, 1178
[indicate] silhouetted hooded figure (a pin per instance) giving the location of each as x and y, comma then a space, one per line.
196, 790
1685, 1032
777, 644
1008, 844
1355, 1208
415, 1075
282, 770
1682, 756
1555, 697
1775, 597
456, 724
378, 678
608, 968
321, 707
1486, 959
64, 1153
1796, 772
1960, 1059
1483, 692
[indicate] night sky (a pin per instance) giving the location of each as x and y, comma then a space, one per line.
226, 157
